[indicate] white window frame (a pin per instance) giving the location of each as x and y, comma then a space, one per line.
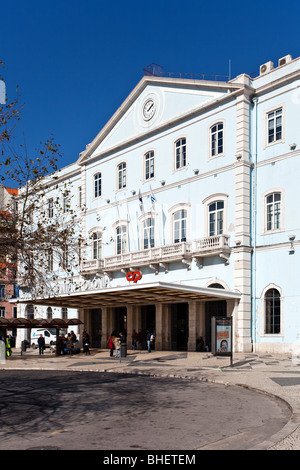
147, 162
97, 188
267, 118
173, 210
207, 202
264, 205
79, 196
264, 312
96, 245
121, 238
182, 141
210, 134
66, 204
121, 175
50, 207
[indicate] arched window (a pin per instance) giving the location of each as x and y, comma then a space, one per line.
29, 312
49, 313
272, 312
97, 185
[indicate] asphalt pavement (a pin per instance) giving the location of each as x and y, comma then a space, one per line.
272, 374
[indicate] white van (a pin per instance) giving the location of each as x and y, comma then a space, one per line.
48, 333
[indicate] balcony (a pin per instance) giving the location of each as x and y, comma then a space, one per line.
91, 266
216, 245
183, 252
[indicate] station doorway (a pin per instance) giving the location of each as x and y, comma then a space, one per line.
96, 327
179, 326
120, 320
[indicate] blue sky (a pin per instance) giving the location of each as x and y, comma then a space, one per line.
75, 62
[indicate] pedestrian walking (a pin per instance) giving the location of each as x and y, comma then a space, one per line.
41, 343
86, 342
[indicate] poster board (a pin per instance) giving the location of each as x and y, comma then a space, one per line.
221, 332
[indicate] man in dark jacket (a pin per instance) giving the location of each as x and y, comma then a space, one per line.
41, 343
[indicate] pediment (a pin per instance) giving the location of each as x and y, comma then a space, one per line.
152, 105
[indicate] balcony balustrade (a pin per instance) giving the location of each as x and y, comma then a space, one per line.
183, 252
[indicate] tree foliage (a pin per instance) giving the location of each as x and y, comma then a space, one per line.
39, 232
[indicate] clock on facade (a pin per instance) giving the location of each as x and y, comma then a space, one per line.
149, 109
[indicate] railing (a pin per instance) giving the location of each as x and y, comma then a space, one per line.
165, 253
208, 244
183, 251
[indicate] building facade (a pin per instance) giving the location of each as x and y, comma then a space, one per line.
8, 291
187, 200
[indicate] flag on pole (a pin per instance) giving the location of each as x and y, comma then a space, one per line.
153, 199
141, 201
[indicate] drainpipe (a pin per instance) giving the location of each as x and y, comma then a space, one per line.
253, 222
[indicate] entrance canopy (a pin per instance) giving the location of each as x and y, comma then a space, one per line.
7, 323
142, 294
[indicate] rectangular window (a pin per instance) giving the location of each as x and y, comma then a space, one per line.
97, 185
149, 165
50, 208
217, 139
216, 217
180, 218
2, 312
121, 239
273, 211
122, 175
66, 202
275, 126
148, 233
2, 291
180, 153
79, 196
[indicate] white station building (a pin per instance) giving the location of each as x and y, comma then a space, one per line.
187, 197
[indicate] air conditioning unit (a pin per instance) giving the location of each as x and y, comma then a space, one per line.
267, 67
284, 60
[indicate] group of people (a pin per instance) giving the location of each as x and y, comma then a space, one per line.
140, 340
114, 343
68, 344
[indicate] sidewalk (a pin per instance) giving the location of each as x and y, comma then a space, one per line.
278, 375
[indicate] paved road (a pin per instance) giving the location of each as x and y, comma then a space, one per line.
92, 410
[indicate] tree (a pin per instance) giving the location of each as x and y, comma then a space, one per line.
39, 231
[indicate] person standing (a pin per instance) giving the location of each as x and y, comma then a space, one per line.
86, 342
148, 338
134, 340
117, 344
8, 347
111, 345
41, 343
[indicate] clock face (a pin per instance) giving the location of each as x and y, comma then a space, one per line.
149, 109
